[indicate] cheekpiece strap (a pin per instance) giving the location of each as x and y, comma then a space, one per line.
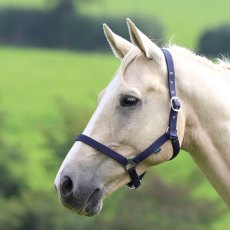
175, 104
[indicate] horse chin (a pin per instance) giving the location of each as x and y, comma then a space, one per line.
92, 208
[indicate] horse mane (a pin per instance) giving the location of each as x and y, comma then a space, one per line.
225, 62
222, 65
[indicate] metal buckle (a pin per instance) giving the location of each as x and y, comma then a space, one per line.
172, 104
130, 164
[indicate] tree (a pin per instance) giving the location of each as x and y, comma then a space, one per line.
11, 184
215, 41
58, 140
68, 5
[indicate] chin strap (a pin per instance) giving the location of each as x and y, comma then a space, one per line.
130, 165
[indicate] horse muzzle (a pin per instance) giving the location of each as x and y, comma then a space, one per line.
85, 199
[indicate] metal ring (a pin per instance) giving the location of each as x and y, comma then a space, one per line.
130, 164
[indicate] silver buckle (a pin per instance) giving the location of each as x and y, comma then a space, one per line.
172, 106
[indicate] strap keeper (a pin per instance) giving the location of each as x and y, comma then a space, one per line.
172, 134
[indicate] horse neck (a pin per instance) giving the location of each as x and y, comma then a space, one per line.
204, 92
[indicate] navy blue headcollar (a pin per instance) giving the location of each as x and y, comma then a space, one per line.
130, 165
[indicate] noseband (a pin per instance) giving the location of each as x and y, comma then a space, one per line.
130, 165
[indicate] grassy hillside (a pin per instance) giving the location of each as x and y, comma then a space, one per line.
22, 3
183, 20
32, 80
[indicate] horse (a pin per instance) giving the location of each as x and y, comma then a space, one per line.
133, 112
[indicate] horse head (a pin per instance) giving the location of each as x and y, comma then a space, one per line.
132, 112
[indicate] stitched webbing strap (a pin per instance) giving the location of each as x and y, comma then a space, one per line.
153, 148
175, 104
102, 148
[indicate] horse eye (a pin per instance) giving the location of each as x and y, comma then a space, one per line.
128, 101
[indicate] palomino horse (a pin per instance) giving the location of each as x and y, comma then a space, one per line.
139, 112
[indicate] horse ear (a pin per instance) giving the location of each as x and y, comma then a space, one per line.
146, 46
119, 45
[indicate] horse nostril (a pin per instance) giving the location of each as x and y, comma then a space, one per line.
66, 186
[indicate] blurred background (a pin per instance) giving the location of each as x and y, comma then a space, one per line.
54, 60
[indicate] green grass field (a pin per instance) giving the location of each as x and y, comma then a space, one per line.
32, 79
